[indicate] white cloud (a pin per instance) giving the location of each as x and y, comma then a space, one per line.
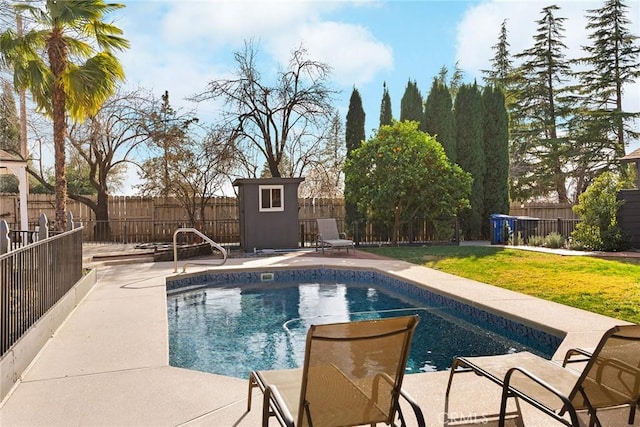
479, 29
351, 50
183, 45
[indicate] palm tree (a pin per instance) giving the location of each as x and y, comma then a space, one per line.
66, 62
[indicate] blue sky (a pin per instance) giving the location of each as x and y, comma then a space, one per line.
179, 46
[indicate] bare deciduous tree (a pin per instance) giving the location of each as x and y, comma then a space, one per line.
106, 143
284, 119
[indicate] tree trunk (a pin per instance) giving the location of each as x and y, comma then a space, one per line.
57, 52
103, 229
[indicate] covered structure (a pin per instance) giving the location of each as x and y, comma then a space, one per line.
11, 164
629, 215
268, 213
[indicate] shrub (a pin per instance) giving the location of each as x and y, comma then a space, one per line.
554, 240
598, 209
536, 241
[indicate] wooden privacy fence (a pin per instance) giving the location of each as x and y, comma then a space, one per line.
134, 219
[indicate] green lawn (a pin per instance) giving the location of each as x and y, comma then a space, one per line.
606, 286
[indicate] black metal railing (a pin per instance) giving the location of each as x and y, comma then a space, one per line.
524, 229
372, 233
33, 278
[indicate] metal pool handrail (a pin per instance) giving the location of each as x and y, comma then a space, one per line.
204, 237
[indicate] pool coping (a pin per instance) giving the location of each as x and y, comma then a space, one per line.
108, 362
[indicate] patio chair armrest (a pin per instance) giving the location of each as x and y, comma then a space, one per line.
410, 400
343, 235
416, 408
280, 410
573, 352
507, 390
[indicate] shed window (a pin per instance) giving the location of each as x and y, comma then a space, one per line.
271, 198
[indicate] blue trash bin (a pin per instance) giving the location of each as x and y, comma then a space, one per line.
501, 228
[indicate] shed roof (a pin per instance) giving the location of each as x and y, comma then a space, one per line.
6, 156
633, 156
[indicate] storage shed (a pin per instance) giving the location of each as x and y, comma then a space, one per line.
268, 213
629, 215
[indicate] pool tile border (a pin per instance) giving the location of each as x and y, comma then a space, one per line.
544, 343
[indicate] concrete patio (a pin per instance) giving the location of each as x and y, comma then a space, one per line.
108, 362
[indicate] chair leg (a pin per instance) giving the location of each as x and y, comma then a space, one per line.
632, 413
266, 407
252, 384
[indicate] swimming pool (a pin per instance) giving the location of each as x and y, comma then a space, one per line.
233, 323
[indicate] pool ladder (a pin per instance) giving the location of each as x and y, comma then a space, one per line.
204, 237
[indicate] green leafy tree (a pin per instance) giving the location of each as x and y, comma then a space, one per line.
411, 103
386, 115
66, 62
602, 128
438, 118
544, 103
403, 172
9, 135
496, 154
598, 208
469, 122
354, 137
9, 123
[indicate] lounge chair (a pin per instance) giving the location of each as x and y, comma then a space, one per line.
328, 235
610, 378
352, 375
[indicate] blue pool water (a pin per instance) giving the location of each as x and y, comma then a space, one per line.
233, 329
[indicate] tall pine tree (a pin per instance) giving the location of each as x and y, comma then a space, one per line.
438, 118
501, 64
602, 125
468, 113
496, 150
386, 115
354, 137
543, 106
411, 103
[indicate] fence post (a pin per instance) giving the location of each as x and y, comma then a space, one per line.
5, 241
560, 231
69, 221
43, 227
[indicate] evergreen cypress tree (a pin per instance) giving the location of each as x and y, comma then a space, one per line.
504, 76
411, 103
354, 129
612, 61
468, 113
543, 107
386, 115
496, 149
354, 136
438, 118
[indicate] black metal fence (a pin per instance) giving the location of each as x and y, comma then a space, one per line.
33, 278
227, 232
519, 230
